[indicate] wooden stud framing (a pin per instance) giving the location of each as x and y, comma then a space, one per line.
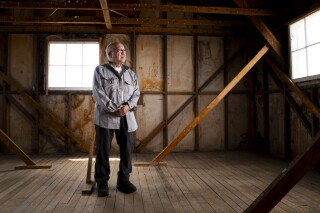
304, 120
43, 127
165, 89
315, 120
266, 113
226, 100
304, 99
211, 105
164, 124
52, 119
196, 89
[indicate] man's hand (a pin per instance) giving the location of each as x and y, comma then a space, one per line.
123, 109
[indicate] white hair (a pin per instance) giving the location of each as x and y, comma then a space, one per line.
110, 48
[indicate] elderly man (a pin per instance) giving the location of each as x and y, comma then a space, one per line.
116, 93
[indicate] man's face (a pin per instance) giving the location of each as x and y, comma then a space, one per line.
118, 54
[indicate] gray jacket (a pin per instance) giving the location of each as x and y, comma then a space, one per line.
112, 89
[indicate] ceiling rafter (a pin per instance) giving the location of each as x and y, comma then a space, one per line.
140, 7
142, 30
117, 21
106, 15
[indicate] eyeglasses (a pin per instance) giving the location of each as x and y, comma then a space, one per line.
121, 50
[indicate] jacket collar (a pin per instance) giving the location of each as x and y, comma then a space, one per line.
123, 69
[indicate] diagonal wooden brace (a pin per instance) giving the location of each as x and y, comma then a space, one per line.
164, 124
52, 118
214, 103
263, 29
20, 153
287, 179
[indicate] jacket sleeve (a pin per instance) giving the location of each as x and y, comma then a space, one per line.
99, 93
133, 100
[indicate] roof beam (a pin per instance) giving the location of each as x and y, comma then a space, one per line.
263, 29
126, 30
139, 7
106, 15
116, 20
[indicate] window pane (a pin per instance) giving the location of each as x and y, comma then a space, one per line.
56, 76
57, 54
91, 54
298, 63
73, 76
88, 76
77, 60
74, 54
297, 35
313, 28
313, 60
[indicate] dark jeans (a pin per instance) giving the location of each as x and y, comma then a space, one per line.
103, 146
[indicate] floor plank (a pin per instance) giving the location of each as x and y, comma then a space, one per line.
190, 182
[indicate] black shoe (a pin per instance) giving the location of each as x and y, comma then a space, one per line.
124, 185
103, 189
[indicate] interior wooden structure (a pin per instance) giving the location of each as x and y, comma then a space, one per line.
255, 54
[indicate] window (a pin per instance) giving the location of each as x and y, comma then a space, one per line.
305, 47
71, 65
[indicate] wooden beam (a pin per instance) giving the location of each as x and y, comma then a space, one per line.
20, 153
119, 20
16, 149
315, 120
304, 120
89, 185
106, 15
195, 9
163, 124
287, 179
263, 29
96, 29
44, 126
304, 99
52, 118
139, 7
211, 105
184, 22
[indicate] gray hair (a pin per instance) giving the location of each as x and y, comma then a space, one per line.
110, 48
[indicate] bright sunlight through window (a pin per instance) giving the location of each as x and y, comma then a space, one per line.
71, 65
305, 48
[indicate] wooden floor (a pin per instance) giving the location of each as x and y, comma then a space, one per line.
191, 182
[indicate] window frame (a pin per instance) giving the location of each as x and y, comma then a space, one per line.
67, 41
304, 79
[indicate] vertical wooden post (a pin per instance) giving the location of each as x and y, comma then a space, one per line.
196, 89
266, 130
226, 100
89, 169
165, 88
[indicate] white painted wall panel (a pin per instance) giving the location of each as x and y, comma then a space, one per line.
180, 63
149, 63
